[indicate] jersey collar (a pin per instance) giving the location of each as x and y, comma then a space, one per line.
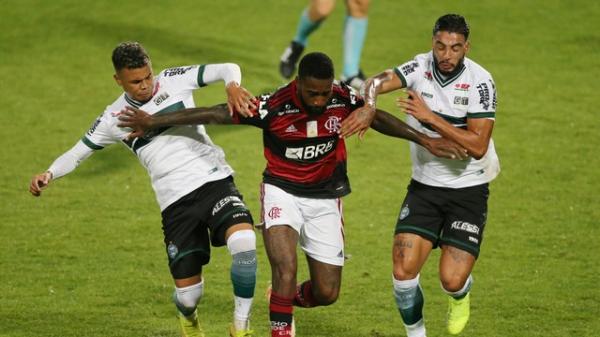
444, 80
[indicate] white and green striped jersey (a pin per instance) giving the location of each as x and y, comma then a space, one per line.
179, 159
469, 93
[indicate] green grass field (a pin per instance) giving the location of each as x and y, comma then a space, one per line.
87, 259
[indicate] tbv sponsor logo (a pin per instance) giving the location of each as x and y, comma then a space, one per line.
309, 152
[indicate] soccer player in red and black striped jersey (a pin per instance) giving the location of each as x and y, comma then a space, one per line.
305, 177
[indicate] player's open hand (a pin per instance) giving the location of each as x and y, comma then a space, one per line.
441, 147
239, 100
415, 106
138, 120
39, 182
358, 121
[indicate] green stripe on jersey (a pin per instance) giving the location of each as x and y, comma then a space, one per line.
140, 142
451, 119
481, 115
201, 75
402, 78
91, 145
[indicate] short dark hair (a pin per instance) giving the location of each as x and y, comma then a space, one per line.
130, 55
317, 65
452, 23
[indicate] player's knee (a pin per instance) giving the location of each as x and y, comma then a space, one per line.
320, 10
358, 8
188, 297
402, 272
326, 296
241, 241
452, 282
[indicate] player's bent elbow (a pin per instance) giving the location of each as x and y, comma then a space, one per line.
478, 153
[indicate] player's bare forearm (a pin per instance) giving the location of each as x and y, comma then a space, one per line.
389, 125
381, 83
140, 120
475, 139
218, 114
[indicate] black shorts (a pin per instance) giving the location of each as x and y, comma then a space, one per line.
200, 218
445, 216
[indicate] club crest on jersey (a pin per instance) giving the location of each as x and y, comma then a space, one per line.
161, 98
428, 76
333, 124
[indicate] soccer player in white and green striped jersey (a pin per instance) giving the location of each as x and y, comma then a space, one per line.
194, 187
451, 96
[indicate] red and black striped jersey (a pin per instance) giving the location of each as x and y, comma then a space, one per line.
304, 153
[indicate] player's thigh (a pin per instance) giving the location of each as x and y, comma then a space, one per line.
358, 8
326, 280
225, 210
186, 238
421, 213
322, 235
282, 224
320, 9
466, 214
409, 253
455, 267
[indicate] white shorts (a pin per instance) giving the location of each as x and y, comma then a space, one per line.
318, 222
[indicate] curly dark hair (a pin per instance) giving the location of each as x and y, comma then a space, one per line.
317, 65
452, 23
129, 55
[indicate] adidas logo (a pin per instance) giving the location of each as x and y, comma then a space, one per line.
291, 128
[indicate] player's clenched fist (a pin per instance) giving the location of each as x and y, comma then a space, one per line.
39, 182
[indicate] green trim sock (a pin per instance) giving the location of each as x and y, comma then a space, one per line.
409, 300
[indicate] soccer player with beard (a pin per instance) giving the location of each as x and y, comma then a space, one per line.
304, 180
449, 95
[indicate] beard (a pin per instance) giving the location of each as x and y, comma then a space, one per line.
311, 109
452, 72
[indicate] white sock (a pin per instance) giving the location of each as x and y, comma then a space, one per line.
241, 313
416, 330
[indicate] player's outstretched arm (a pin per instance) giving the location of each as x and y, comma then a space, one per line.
389, 125
62, 166
39, 182
140, 121
361, 118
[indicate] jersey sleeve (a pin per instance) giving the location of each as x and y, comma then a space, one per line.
408, 73
226, 72
101, 133
482, 99
260, 115
69, 160
186, 77
356, 100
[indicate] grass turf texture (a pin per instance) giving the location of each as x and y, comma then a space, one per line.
87, 258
